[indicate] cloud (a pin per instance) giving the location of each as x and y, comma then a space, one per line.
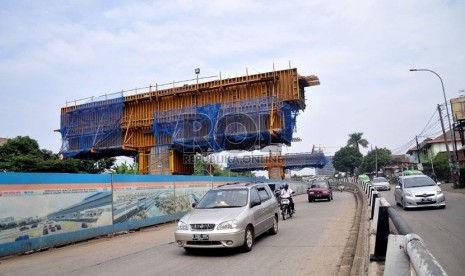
51, 53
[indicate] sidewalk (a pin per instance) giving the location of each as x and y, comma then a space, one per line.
449, 187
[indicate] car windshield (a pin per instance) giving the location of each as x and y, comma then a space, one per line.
232, 198
379, 179
418, 182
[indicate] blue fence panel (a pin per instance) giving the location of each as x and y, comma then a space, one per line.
40, 210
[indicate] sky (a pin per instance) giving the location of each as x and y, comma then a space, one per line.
52, 52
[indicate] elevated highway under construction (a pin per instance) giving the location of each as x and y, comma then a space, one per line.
276, 164
163, 125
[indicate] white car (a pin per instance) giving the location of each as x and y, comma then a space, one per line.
381, 184
414, 191
228, 216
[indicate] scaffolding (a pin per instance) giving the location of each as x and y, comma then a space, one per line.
164, 126
243, 125
91, 127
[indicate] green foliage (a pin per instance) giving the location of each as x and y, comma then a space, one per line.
356, 140
203, 167
347, 159
125, 168
441, 167
22, 154
381, 156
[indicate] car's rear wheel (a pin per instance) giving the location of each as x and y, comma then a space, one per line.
248, 239
274, 229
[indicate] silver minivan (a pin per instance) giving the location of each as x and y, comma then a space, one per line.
415, 191
231, 215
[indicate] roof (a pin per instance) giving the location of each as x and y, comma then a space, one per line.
239, 184
3, 141
438, 140
413, 176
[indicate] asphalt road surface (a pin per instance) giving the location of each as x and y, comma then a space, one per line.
442, 230
310, 243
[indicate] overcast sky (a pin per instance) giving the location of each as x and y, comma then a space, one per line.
56, 51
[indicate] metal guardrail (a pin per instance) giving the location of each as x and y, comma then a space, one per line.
401, 253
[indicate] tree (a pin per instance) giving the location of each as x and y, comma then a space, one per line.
347, 159
355, 139
377, 157
125, 168
22, 154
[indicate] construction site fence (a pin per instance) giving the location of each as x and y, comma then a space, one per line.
43, 210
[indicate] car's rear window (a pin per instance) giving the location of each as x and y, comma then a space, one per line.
319, 185
379, 179
224, 198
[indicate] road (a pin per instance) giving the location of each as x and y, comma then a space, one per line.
442, 230
310, 243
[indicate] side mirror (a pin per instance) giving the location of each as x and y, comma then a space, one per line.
194, 204
439, 183
255, 202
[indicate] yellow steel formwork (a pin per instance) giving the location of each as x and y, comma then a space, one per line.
139, 109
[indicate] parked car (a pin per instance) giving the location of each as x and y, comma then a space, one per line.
417, 190
229, 216
364, 178
319, 189
381, 184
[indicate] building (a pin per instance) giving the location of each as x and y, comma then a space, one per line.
3, 141
429, 148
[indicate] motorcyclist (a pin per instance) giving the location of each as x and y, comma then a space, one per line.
287, 192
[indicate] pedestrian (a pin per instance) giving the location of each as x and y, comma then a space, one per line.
433, 176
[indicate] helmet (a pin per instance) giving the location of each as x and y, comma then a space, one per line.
286, 186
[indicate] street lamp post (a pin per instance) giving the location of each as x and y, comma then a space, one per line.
450, 126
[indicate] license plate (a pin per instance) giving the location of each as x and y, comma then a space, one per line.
426, 199
200, 237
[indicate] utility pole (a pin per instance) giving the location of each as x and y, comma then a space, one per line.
376, 160
418, 150
449, 154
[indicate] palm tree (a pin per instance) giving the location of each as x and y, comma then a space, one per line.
355, 139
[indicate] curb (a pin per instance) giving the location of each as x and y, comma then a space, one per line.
355, 254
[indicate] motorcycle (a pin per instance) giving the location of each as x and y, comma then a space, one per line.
340, 188
285, 205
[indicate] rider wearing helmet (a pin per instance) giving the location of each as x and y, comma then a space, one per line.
287, 192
